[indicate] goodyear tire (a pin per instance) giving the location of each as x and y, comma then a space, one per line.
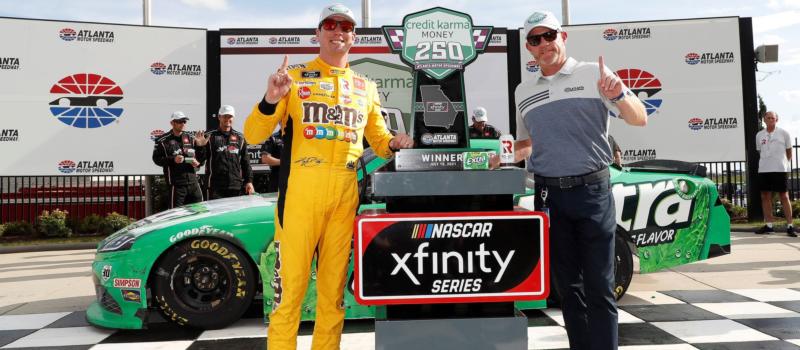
623, 271
204, 283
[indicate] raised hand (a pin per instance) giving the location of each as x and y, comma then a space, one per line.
200, 139
609, 85
279, 83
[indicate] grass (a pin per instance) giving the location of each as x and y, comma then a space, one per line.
22, 241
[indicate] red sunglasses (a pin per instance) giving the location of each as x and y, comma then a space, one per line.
330, 24
535, 39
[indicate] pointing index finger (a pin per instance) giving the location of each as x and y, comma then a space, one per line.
285, 64
602, 67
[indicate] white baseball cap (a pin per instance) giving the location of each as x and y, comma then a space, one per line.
479, 115
178, 115
226, 110
337, 9
541, 19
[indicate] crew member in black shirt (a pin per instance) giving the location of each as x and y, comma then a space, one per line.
180, 155
228, 168
479, 128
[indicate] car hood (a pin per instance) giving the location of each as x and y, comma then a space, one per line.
197, 211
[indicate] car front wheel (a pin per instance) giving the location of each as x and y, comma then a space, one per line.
204, 283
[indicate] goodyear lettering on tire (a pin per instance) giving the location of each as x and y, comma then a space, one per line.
236, 265
170, 313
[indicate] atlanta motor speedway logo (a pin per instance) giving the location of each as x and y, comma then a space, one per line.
713, 123
9, 63
85, 100
86, 167
159, 68
612, 34
721, 57
243, 40
86, 35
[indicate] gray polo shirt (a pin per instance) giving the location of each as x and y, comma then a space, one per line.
566, 118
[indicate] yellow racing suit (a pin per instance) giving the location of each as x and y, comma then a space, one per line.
323, 119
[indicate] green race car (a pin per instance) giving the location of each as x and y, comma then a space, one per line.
202, 265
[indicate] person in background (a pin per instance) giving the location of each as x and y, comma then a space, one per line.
271, 155
228, 168
479, 129
180, 154
325, 110
774, 145
615, 150
562, 128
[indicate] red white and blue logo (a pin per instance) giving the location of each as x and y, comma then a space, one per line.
532, 66
692, 58
231, 41
158, 68
610, 34
645, 85
273, 40
695, 124
66, 166
68, 34
155, 134
84, 100
314, 40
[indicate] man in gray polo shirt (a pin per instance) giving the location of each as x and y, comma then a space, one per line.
562, 128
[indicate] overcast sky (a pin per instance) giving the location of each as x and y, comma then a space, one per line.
774, 22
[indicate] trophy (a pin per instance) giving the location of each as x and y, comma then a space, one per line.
438, 44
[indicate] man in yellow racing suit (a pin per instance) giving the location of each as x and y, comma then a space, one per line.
324, 110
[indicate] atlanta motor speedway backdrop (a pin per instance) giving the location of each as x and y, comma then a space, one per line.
89, 98
688, 73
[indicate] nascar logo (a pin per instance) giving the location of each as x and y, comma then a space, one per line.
452, 230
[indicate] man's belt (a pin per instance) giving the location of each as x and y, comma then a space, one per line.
572, 181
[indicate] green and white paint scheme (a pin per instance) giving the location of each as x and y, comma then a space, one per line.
669, 218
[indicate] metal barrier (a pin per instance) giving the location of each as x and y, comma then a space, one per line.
731, 180
25, 197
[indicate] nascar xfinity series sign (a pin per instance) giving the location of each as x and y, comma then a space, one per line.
451, 257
